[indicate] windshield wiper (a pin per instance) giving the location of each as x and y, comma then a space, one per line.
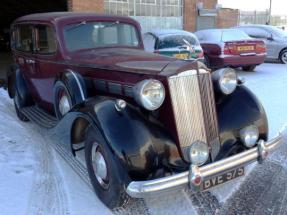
77, 25
112, 24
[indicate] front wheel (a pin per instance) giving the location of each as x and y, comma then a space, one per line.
106, 174
62, 99
248, 68
283, 56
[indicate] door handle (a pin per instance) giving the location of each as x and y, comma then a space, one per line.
29, 61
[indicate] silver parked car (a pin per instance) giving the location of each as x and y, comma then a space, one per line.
275, 39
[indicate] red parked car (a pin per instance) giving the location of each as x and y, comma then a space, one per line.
147, 123
231, 48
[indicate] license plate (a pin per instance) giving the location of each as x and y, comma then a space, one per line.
181, 56
245, 48
223, 178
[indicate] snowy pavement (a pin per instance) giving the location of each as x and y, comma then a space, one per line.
35, 179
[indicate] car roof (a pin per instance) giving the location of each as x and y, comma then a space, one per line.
218, 30
254, 25
164, 32
56, 17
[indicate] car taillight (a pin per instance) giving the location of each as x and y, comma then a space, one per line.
229, 49
260, 47
200, 55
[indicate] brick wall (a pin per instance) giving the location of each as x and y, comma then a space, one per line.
227, 18
86, 6
190, 12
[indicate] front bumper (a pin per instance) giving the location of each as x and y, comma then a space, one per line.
141, 189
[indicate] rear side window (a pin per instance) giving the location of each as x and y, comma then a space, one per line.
23, 38
256, 32
45, 40
174, 41
233, 35
149, 42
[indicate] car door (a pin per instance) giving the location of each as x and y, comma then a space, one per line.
260, 33
23, 53
45, 61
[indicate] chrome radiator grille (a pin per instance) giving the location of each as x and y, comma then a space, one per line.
193, 104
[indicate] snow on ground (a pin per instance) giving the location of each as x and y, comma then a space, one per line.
35, 179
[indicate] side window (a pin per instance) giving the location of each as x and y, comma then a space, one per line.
149, 42
257, 33
45, 40
23, 38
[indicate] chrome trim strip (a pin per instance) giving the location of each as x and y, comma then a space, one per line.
141, 189
79, 84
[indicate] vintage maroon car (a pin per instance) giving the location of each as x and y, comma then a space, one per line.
148, 123
231, 48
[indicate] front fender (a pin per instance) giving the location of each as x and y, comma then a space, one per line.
143, 147
236, 111
75, 85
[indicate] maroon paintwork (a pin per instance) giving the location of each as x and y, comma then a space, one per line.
121, 65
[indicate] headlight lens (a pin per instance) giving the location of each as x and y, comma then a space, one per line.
198, 153
249, 135
227, 80
150, 94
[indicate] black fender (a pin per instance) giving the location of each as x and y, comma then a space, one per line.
236, 111
17, 83
75, 85
143, 147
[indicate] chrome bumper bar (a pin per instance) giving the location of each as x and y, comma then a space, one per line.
196, 175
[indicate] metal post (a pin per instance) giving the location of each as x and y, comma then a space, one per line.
270, 9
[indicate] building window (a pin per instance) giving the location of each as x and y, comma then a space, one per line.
150, 13
119, 1
148, 2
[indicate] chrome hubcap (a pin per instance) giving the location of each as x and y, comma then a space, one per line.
64, 105
99, 166
284, 57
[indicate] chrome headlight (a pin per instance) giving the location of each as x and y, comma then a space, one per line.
149, 94
198, 153
249, 135
226, 80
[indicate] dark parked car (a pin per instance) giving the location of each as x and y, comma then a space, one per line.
274, 38
231, 48
174, 43
148, 123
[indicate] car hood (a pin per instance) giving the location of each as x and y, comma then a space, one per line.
121, 59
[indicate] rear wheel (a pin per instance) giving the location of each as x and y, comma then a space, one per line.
18, 104
62, 100
283, 56
249, 68
106, 174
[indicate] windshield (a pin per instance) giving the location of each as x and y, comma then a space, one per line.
232, 35
278, 32
88, 35
174, 41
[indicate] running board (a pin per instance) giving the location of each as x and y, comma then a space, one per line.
39, 116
